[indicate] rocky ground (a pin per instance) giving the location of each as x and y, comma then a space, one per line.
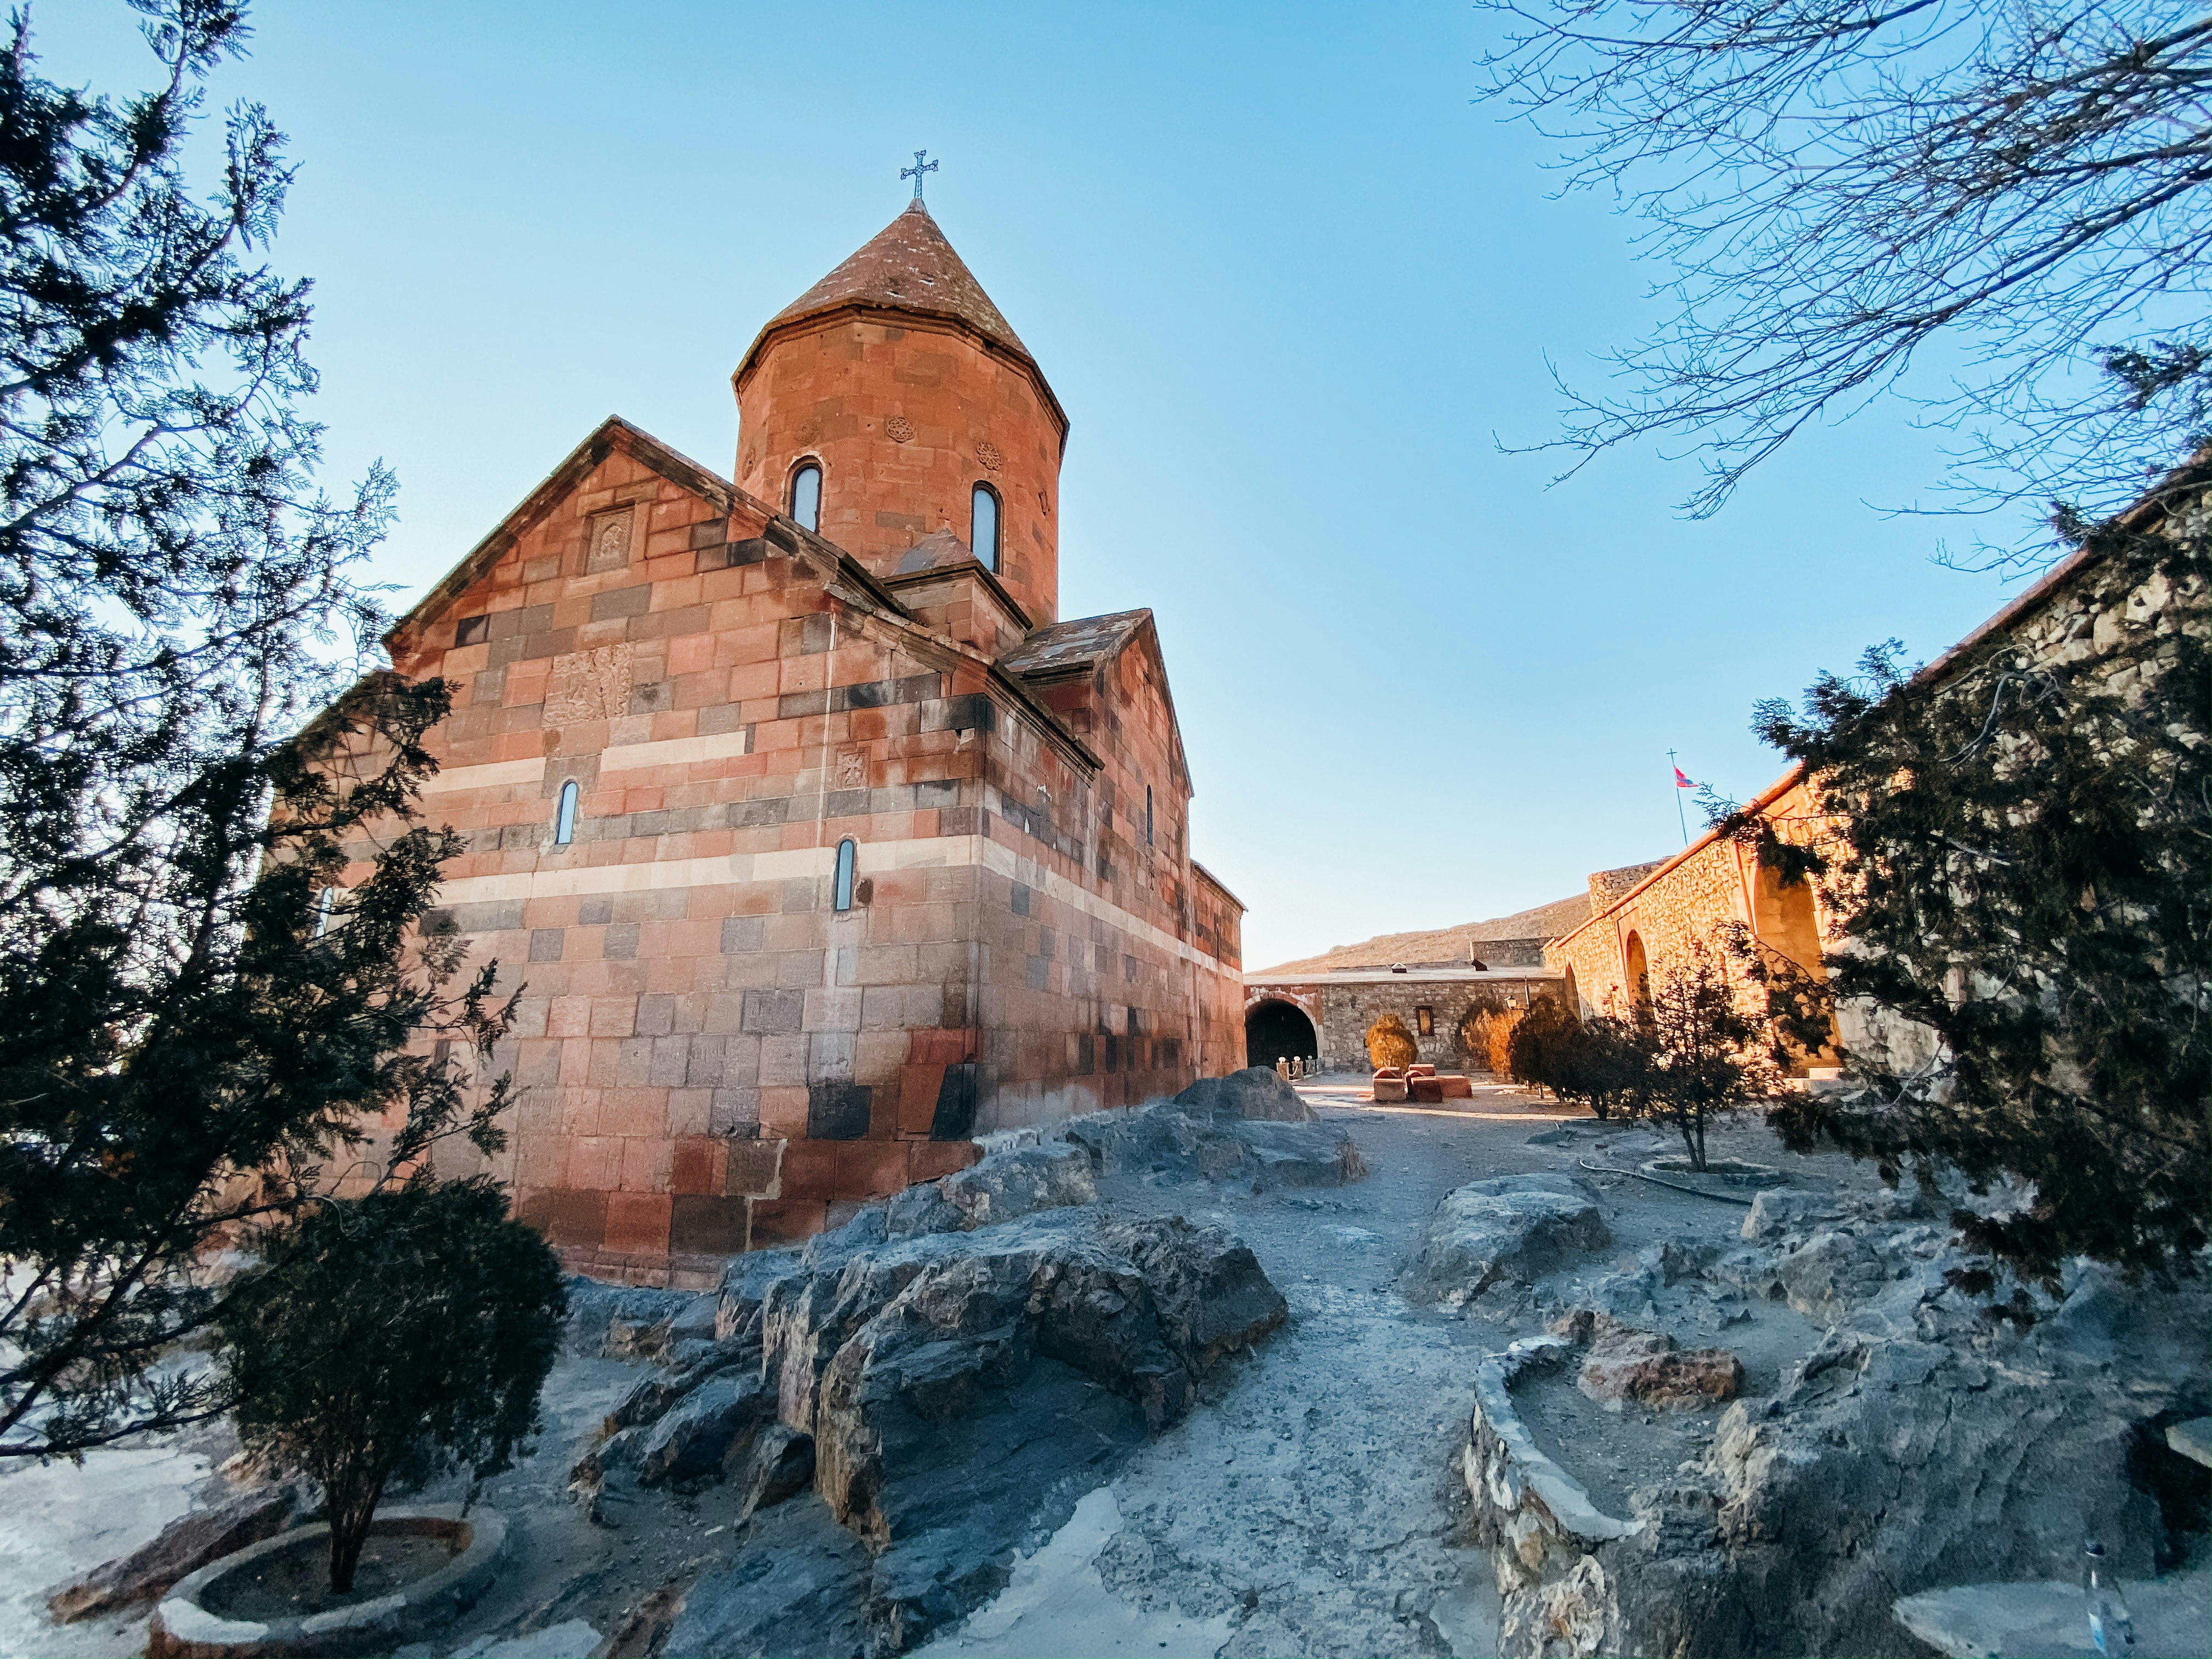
1156, 1461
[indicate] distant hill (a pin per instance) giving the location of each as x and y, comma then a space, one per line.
1447, 943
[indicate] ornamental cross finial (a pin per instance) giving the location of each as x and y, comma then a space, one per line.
916, 171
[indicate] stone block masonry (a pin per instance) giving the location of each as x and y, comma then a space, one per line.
1648, 921
1339, 1007
802, 888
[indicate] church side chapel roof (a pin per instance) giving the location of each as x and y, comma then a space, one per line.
933, 551
906, 266
1064, 647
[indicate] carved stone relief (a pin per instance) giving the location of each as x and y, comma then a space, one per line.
851, 770
988, 453
898, 429
608, 544
588, 685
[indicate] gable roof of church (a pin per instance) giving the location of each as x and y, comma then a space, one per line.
611, 434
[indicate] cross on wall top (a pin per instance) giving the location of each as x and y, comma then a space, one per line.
917, 171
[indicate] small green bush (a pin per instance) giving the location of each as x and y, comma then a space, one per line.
391, 1337
1706, 1056
1600, 1063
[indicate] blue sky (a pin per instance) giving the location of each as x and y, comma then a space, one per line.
1292, 285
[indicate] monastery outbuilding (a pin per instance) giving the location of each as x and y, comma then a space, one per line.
819, 842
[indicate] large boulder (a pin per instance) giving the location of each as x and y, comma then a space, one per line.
1511, 1229
1208, 1291
1257, 1094
1165, 1139
1011, 1335
708, 1430
941, 1388
1003, 1186
1008, 1185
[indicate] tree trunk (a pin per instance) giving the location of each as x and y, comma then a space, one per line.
1697, 1130
353, 1507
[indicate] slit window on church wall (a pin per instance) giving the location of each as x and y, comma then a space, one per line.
806, 497
842, 888
564, 816
983, 530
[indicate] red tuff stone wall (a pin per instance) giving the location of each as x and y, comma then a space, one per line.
1681, 907
2085, 604
906, 415
1104, 991
709, 1054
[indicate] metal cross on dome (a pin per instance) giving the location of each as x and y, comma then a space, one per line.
916, 171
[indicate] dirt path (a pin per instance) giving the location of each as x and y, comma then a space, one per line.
1309, 1506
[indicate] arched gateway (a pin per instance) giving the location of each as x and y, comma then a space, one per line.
1274, 1030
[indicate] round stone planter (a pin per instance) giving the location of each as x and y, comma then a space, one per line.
184, 1627
1722, 1174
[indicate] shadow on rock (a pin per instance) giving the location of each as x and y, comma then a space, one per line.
949, 1372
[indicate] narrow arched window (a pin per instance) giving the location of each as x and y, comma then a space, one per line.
564, 818
841, 894
806, 497
326, 905
983, 530
1148, 815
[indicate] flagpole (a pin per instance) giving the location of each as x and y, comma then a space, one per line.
1681, 816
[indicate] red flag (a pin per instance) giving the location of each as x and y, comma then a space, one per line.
1681, 782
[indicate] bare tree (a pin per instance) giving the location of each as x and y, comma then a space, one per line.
1995, 210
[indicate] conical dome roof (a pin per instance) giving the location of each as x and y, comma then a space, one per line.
906, 266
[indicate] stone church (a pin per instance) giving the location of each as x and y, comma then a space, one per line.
821, 843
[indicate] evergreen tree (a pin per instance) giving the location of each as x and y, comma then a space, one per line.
1704, 1056
2014, 853
390, 1338
189, 1024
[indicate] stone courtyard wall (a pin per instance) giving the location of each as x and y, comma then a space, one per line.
1343, 1009
2086, 606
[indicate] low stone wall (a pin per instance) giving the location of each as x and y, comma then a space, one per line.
1543, 1530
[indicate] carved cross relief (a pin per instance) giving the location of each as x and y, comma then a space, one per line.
607, 544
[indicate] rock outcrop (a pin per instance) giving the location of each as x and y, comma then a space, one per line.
934, 1369
707, 1431
1511, 1229
1266, 1155
1918, 1445
1256, 1094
